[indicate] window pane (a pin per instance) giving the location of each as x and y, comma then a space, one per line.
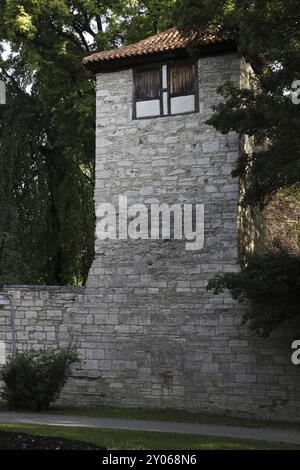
183, 104
147, 84
148, 108
182, 80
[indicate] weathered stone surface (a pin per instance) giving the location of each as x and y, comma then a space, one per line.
148, 332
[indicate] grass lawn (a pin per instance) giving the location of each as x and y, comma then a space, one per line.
137, 440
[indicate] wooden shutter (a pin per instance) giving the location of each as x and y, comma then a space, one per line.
182, 79
147, 84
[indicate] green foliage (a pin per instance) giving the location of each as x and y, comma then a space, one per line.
47, 129
33, 380
283, 218
45, 204
272, 283
268, 36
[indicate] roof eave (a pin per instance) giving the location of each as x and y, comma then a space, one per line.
114, 65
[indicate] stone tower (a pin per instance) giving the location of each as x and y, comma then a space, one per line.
153, 335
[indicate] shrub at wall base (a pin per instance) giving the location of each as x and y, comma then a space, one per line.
35, 379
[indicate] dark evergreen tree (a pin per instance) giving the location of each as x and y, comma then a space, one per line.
47, 129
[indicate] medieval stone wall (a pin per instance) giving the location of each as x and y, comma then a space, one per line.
148, 332
44, 317
251, 220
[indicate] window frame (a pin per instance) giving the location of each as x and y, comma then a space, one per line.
159, 65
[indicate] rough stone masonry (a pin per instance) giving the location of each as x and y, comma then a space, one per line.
148, 332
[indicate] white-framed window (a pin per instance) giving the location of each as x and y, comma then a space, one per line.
165, 89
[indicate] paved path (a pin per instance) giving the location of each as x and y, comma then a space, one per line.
258, 433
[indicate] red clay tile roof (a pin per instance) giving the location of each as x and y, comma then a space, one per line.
167, 41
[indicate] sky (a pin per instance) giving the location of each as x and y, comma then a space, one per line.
7, 50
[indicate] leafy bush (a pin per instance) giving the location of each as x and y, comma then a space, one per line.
272, 283
35, 379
